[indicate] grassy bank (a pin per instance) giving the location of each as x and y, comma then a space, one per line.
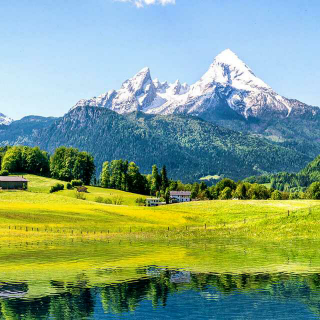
39, 214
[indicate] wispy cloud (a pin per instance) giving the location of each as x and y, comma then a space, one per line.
142, 3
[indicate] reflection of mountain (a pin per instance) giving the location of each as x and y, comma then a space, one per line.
212, 295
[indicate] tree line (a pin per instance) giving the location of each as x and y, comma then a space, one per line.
125, 176
69, 164
292, 182
65, 164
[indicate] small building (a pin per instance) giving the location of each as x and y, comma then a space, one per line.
82, 189
180, 196
13, 183
152, 202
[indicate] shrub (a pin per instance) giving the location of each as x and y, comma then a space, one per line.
80, 195
117, 200
140, 201
76, 183
56, 187
103, 200
107, 201
276, 195
69, 186
294, 196
4, 173
99, 200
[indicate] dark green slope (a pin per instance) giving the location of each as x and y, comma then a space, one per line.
300, 133
285, 181
189, 147
24, 131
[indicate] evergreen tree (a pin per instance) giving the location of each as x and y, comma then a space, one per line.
155, 180
105, 175
164, 179
167, 196
195, 190
202, 186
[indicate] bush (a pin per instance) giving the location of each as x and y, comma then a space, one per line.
80, 195
276, 195
69, 186
103, 200
4, 173
56, 187
140, 201
107, 201
117, 200
76, 183
99, 200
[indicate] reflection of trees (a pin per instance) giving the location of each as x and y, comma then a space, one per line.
16, 309
77, 301
124, 297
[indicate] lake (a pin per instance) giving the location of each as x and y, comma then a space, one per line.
216, 279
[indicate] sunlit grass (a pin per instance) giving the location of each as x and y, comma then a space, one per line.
42, 185
44, 214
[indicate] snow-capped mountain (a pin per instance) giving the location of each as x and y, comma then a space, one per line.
4, 119
229, 89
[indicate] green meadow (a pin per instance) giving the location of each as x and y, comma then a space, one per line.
40, 215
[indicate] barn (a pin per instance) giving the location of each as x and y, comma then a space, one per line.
13, 183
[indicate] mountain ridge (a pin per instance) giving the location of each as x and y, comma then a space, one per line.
4, 120
229, 84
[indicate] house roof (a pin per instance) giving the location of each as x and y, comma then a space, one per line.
180, 193
12, 179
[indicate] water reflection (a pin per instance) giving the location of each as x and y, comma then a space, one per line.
112, 281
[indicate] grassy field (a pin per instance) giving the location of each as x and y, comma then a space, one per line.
39, 214
39, 184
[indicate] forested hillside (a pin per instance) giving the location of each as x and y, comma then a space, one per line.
24, 131
285, 181
190, 147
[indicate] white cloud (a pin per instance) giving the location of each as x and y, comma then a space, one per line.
142, 3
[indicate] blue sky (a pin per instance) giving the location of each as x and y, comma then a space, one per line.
53, 53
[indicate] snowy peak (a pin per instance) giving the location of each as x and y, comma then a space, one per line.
228, 69
228, 57
228, 89
4, 119
140, 80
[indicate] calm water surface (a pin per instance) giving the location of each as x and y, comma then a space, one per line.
123, 280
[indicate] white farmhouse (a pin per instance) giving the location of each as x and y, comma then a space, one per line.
180, 196
152, 202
